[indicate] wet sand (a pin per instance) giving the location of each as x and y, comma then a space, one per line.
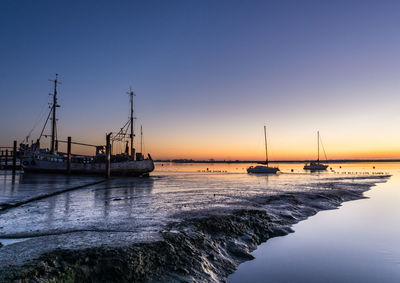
181, 226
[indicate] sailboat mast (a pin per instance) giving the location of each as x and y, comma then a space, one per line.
318, 144
266, 148
141, 139
54, 118
132, 135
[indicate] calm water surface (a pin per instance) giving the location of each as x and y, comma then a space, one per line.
124, 210
360, 242
135, 205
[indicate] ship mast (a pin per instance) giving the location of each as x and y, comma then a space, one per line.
132, 94
53, 147
141, 139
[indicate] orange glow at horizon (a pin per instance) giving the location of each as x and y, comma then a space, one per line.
220, 155
245, 152
238, 139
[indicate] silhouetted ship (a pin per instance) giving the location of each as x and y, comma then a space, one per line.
40, 160
263, 169
316, 165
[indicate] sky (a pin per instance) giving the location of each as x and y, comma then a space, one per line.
208, 75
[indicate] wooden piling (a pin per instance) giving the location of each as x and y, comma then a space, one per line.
108, 155
14, 164
69, 156
6, 160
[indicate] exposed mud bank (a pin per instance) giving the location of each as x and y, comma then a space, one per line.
205, 246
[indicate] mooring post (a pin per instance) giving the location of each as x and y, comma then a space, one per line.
14, 165
108, 155
69, 156
6, 160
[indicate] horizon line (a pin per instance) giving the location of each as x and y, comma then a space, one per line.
345, 160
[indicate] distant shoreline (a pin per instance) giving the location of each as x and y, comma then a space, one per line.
275, 161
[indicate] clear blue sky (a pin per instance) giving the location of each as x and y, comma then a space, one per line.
208, 74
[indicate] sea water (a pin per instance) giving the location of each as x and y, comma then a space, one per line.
120, 211
359, 242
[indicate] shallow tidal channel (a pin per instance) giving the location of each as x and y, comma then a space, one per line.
359, 242
43, 213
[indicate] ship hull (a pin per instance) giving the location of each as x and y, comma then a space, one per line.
58, 166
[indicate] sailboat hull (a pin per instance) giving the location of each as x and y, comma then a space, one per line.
262, 170
315, 166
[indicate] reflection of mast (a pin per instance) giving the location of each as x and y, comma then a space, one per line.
54, 120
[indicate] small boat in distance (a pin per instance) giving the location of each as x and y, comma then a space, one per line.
316, 165
263, 169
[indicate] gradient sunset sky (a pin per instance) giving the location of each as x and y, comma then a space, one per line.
208, 74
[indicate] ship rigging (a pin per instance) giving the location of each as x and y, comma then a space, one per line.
52, 161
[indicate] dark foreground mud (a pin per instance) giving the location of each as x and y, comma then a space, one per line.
206, 246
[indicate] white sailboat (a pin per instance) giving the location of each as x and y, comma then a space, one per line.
263, 169
316, 165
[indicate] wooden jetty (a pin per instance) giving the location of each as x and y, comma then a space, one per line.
9, 158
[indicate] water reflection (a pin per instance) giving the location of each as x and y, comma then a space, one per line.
139, 205
357, 243
21, 187
67, 202
51, 179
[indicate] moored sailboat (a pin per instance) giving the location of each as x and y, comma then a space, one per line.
316, 165
263, 169
39, 160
